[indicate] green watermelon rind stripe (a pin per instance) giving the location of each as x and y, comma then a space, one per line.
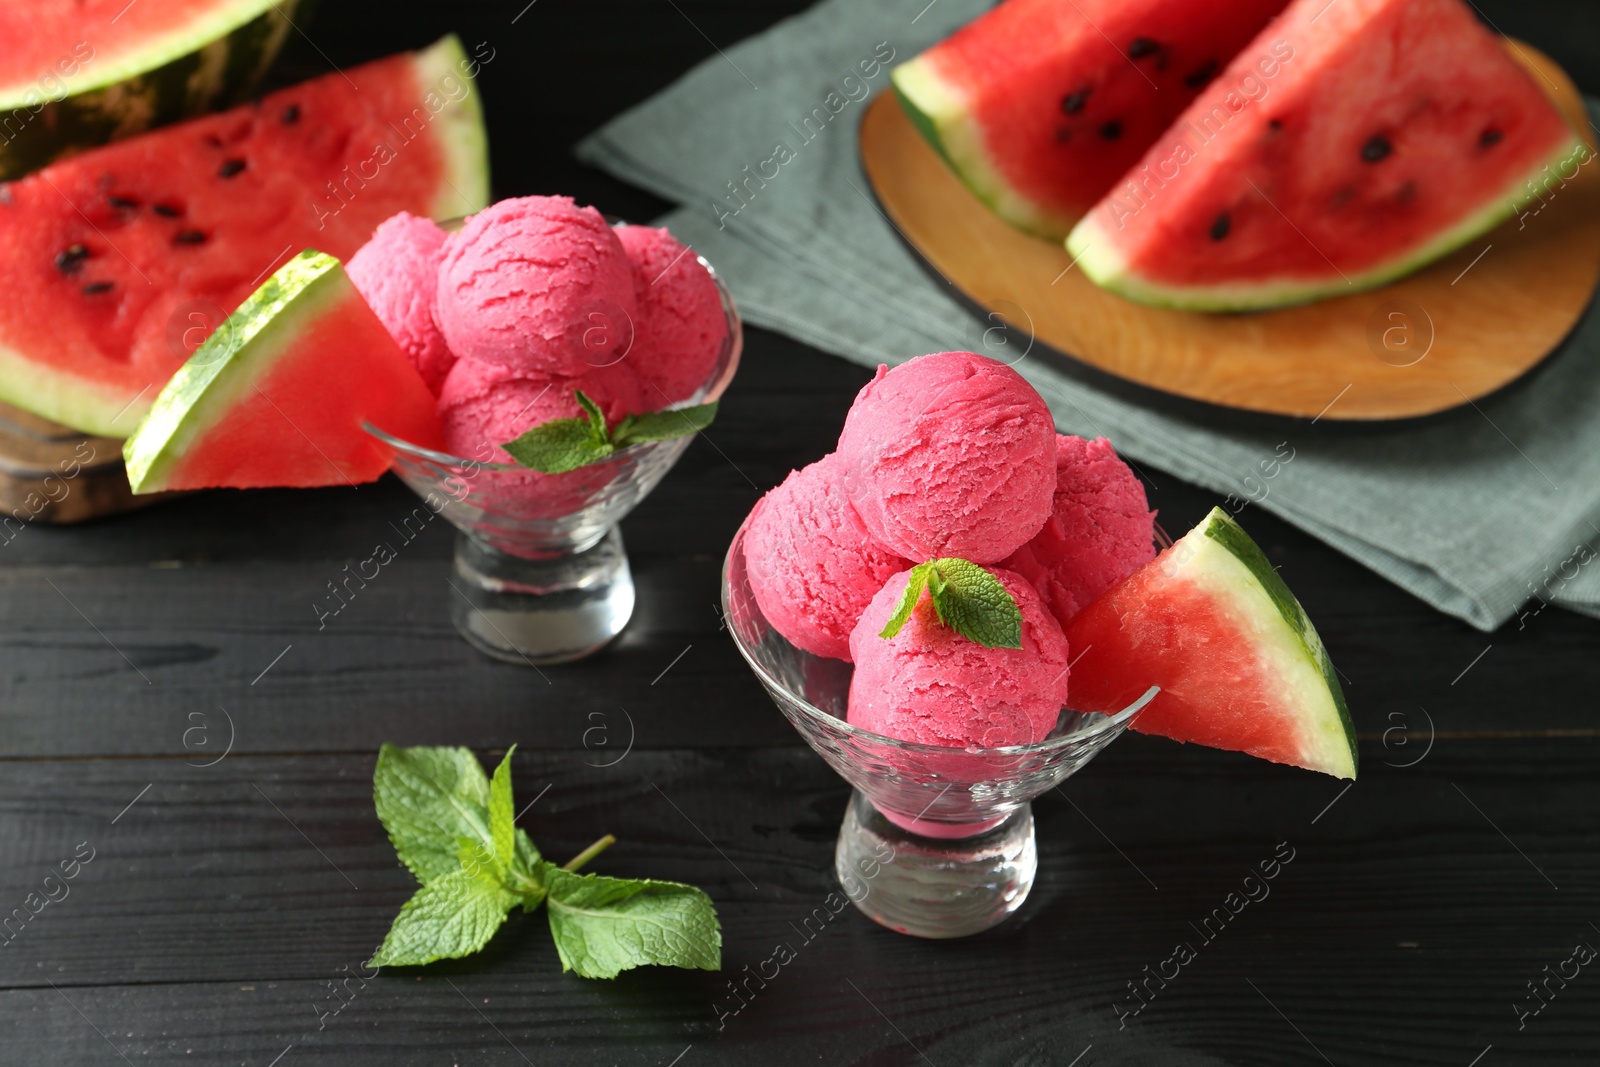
208, 386
935, 109
1220, 528
212, 63
463, 139
1094, 250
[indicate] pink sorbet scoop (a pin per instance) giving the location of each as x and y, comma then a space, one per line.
539, 285
1101, 531
681, 325
811, 565
930, 685
484, 405
397, 273
951, 454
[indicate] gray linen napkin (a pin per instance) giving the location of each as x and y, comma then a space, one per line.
1477, 513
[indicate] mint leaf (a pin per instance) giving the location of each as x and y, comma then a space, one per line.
974, 604
450, 917
663, 425
559, 446
597, 418
604, 926
915, 584
502, 812
429, 799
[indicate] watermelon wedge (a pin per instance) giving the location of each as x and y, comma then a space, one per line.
117, 262
278, 394
1239, 664
1041, 105
77, 73
1387, 133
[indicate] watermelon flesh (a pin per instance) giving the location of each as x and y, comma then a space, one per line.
279, 394
1041, 105
77, 73
117, 262
1389, 133
1239, 664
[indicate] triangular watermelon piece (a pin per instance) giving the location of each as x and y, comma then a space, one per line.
279, 393
1041, 105
1239, 664
1349, 144
115, 263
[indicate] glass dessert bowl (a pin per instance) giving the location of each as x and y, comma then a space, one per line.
541, 575
937, 841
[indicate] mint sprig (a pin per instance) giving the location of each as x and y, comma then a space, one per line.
452, 826
966, 597
562, 445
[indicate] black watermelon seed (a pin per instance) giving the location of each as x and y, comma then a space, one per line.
1073, 103
96, 288
123, 203
1274, 125
1063, 135
1201, 76
1220, 228
291, 114
70, 259
1141, 47
1111, 130
166, 211
230, 167
190, 237
1376, 149
1490, 137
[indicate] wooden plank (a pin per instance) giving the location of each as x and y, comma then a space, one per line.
1374, 938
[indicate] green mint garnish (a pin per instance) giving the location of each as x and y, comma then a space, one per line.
562, 445
452, 827
967, 599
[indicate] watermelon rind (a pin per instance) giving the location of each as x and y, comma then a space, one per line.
213, 61
231, 362
1221, 558
1094, 250
943, 118
462, 136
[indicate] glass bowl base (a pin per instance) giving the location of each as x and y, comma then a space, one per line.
935, 888
541, 611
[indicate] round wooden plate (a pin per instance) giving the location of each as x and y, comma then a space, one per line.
1455, 331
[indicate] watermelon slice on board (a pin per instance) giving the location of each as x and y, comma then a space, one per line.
76, 73
278, 394
1239, 664
1392, 132
1041, 105
116, 263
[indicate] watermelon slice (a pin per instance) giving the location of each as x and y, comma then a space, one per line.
116, 263
1041, 105
278, 394
1388, 133
1239, 665
76, 73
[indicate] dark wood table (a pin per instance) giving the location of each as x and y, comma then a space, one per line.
226, 892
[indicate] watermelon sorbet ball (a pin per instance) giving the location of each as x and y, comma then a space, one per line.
931, 685
681, 325
397, 273
811, 565
539, 285
952, 454
1100, 530
484, 405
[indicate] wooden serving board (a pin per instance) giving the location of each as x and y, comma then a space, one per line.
53, 474
1462, 328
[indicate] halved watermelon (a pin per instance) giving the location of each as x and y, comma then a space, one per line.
278, 394
1041, 105
1239, 664
116, 263
77, 73
1392, 132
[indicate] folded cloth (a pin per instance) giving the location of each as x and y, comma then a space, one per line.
1477, 512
